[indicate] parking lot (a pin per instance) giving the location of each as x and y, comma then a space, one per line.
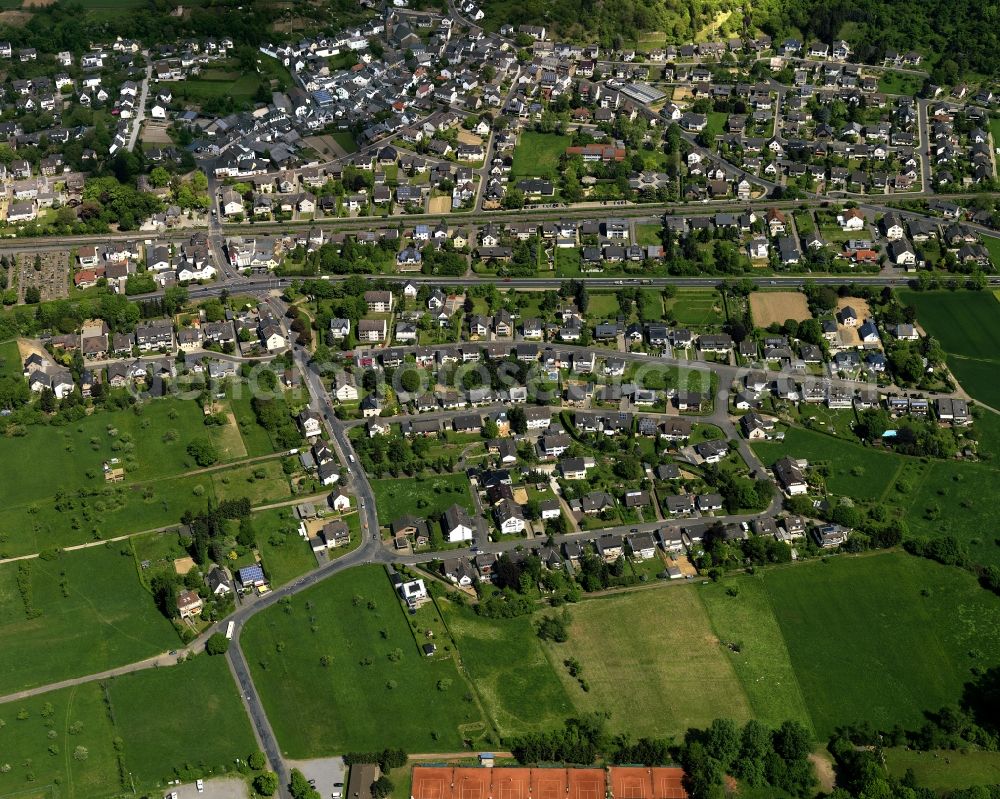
222, 788
326, 771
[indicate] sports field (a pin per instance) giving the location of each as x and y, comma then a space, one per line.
421, 496
538, 154
967, 323
85, 612
162, 715
652, 660
854, 470
338, 669
882, 638
696, 307
510, 669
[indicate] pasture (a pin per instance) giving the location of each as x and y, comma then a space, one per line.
262, 482
153, 712
882, 638
538, 154
854, 470
510, 669
40, 737
79, 613
740, 613
421, 496
699, 307
775, 307
652, 660
338, 669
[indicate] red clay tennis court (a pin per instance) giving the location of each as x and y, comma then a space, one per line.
647, 783
446, 782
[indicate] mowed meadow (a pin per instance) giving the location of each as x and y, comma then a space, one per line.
881, 638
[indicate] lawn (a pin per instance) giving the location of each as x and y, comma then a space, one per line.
89, 613
378, 689
855, 471
882, 638
967, 323
946, 770
603, 305
285, 555
346, 140
511, 671
697, 307
740, 614
648, 234
652, 660
154, 711
421, 496
891, 82
538, 154
39, 737
567, 262
716, 124
241, 88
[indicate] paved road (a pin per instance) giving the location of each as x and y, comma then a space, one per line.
140, 106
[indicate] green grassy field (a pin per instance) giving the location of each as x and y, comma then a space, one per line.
745, 622
92, 615
346, 140
241, 88
285, 555
39, 739
378, 689
891, 82
967, 323
716, 123
538, 154
256, 438
261, 483
163, 716
510, 669
855, 471
867, 644
603, 305
651, 660
421, 496
947, 770
697, 307
648, 234
10, 359
961, 494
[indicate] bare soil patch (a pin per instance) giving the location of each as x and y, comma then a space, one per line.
774, 307
14, 18
468, 137
439, 205
155, 133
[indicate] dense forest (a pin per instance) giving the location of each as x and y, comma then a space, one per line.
956, 39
